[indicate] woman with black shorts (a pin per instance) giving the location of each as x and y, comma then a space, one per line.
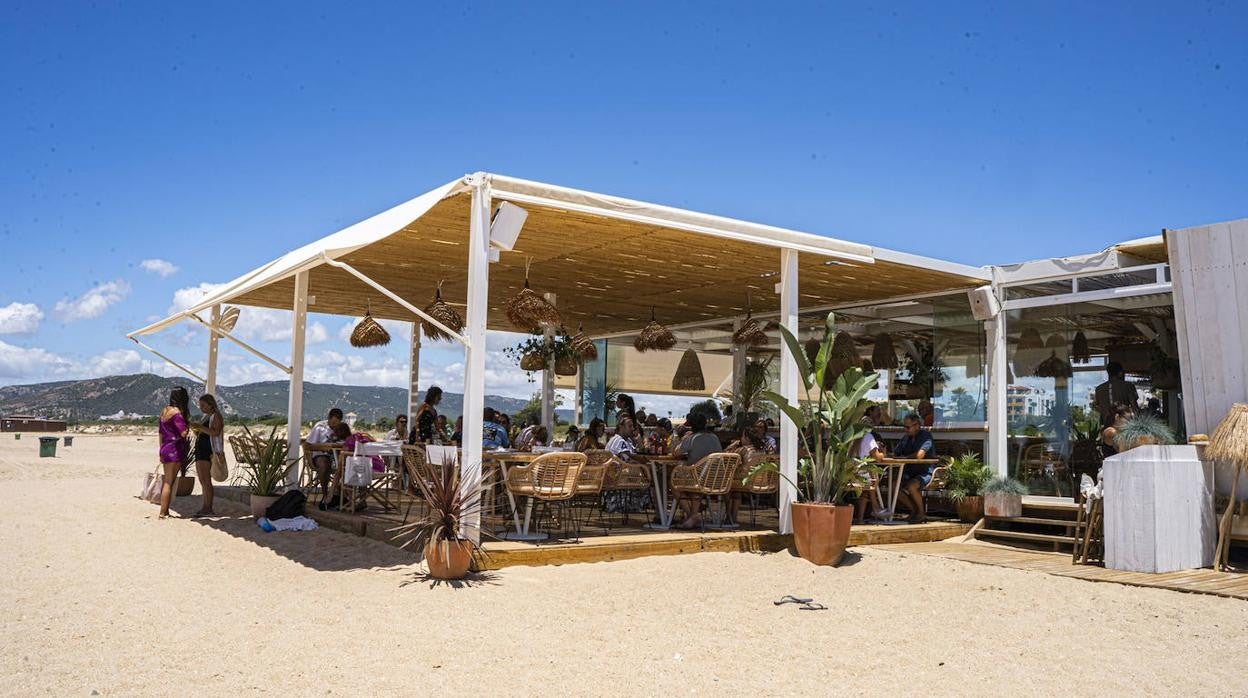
208, 430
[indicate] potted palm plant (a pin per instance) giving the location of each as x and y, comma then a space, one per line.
827, 474
1003, 498
268, 474
964, 483
438, 536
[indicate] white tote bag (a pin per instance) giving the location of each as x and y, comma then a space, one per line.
358, 471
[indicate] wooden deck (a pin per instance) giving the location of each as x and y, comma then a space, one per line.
597, 545
1203, 581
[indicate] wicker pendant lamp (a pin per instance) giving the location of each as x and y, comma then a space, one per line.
441, 311
812, 347
750, 333
229, 318
528, 311
369, 332
1229, 443
689, 373
1079, 350
654, 337
844, 356
884, 355
1054, 367
1056, 344
584, 346
867, 366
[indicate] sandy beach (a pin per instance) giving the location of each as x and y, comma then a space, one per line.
101, 597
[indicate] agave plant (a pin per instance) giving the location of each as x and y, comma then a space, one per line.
829, 420
1143, 429
269, 472
451, 503
1005, 485
967, 477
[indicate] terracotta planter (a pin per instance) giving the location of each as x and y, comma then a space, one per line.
1002, 505
821, 531
186, 485
448, 559
532, 362
260, 504
970, 509
565, 366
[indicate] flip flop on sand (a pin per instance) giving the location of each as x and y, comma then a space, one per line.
791, 599
813, 606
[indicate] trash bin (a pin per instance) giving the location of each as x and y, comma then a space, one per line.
47, 446
17, 437
69, 441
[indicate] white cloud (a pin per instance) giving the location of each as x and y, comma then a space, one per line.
93, 303
184, 298
254, 324
20, 318
24, 363
159, 266
114, 363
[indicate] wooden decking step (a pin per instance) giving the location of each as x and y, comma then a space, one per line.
1032, 520
1020, 535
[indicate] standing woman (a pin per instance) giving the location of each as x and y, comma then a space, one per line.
173, 444
427, 418
207, 441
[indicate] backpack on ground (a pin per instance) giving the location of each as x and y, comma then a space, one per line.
287, 506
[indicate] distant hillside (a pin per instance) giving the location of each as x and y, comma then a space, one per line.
146, 393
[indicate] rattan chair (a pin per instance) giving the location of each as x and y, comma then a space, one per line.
709, 477
763, 482
244, 458
416, 466
628, 482
590, 481
550, 481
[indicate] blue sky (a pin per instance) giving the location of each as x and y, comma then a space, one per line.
215, 136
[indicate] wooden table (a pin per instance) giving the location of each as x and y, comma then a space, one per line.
502, 459
895, 467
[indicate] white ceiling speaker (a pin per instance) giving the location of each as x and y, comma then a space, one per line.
505, 228
984, 303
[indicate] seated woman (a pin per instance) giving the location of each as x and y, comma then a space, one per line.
623, 447
530, 436
699, 444
870, 447
400, 431
1107, 445
659, 442
592, 440
747, 445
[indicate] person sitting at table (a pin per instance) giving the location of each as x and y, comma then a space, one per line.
594, 434
426, 419
745, 443
399, 432
442, 429
457, 436
571, 437
621, 443
870, 447
333, 483
698, 445
319, 440
532, 435
927, 412
916, 444
639, 420
623, 448
765, 442
659, 442
493, 434
1107, 444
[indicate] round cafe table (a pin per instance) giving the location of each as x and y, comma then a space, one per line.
894, 468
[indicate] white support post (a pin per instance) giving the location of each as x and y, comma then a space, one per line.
788, 388
548, 379
413, 378
210, 380
474, 365
578, 416
998, 385
294, 405
739, 356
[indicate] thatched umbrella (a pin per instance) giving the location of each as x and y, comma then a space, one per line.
441, 311
884, 355
1079, 350
528, 311
654, 336
1229, 443
689, 373
584, 346
369, 332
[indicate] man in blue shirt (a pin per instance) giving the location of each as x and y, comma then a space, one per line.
493, 435
917, 443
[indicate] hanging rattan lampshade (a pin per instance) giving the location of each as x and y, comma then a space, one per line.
584, 346
369, 332
654, 337
812, 350
441, 311
867, 366
883, 355
528, 311
1079, 349
751, 332
229, 318
1054, 367
844, 356
1056, 344
689, 373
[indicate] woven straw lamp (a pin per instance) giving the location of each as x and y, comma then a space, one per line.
844, 356
229, 318
441, 311
584, 346
1229, 443
812, 349
528, 311
1056, 344
867, 366
654, 337
1079, 349
750, 333
689, 373
884, 355
369, 333
1054, 367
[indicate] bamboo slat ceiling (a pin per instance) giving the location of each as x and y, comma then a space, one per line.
607, 273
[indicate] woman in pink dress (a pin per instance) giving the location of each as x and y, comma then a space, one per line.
174, 446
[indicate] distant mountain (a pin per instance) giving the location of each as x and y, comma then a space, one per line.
146, 393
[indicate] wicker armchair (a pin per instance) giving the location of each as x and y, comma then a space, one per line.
763, 482
550, 481
709, 477
244, 458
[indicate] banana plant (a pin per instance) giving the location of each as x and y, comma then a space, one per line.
829, 421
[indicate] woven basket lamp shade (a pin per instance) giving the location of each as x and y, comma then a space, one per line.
844, 356
689, 373
1057, 345
654, 337
584, 346
867, 366
229, 318
441, 311
1229, 443
530, 312
1054, 367
369, 333
812, 350
884, 355
750, 333
1079, 349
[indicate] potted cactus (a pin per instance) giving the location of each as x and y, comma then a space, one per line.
1003, 498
